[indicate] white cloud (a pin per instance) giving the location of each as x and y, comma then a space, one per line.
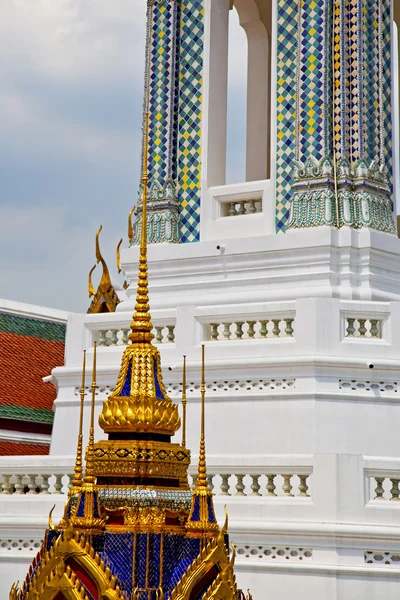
73, 39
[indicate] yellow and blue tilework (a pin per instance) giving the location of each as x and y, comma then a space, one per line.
189, 119
286, 107
173, 96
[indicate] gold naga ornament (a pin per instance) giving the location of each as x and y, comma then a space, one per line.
105, 298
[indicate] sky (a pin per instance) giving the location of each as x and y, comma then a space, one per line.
71, 86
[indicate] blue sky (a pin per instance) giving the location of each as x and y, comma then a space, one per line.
71, 82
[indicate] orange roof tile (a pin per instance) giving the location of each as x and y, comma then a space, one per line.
24, 361
14, 449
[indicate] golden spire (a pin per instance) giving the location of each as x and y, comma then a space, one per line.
77, 480
140, 402
202, 522
105, 298
89, 471
184, 403
88, 513
141, 325
202, 467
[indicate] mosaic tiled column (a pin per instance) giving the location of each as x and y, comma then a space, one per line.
340, 87
173, 79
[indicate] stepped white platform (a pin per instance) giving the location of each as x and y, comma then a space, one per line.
303, 388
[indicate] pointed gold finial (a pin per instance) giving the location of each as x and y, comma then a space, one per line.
91, 289
118, 251
202, 522
141, 325
88, 514
184, 403
202, 467
77, 480
89, 471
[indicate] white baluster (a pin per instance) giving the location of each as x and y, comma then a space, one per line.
379, 490
113, 337
58, 484
171, 333
303, 487
227, 331
239, 485
255, 486
6, 486
102, 337
32, 484
276, 330
287, 486
214, 331
18, 485
225, 484
271, 487
44, 486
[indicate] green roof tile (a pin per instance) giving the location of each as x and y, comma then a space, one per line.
23, 413
46, 330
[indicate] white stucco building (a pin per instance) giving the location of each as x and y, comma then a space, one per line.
292, 281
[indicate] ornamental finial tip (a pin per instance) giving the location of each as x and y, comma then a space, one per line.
141, 325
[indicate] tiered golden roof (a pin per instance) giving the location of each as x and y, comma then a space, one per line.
135, 491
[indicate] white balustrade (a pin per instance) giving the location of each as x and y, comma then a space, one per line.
241, 483
225, 330
385, 488
163, 334
365, 328
242, 207
53, 475
382, 480
57, 483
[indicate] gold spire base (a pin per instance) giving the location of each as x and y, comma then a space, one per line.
202, 522
136, 459
139, 402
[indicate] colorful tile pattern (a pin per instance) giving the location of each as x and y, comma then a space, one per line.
161, 84
189, 117
286, 107
311, 92
387, 141
37, 415
45, 330
173, 95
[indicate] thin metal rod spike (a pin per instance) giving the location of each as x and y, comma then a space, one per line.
77, 480
184, 403
141, 325
89, 475
202, 468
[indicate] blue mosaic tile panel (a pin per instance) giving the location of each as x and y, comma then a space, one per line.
189, 117
371, 74
286, 107
161, 89
355, 78
311, 95
387, 90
